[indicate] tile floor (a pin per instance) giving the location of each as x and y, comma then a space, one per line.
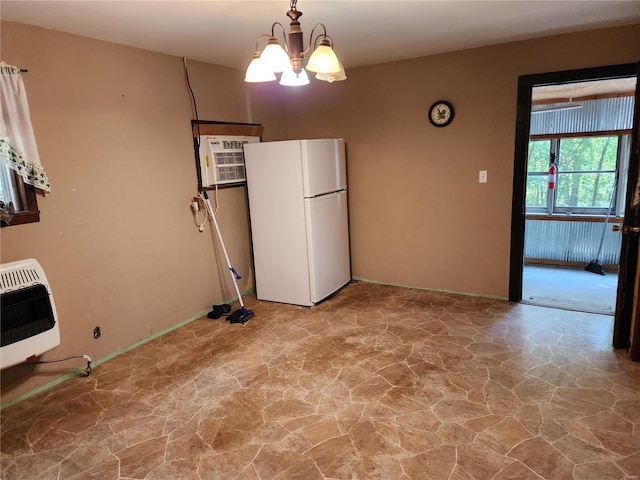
377, 383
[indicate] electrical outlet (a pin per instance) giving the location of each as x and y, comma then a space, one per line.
96, 332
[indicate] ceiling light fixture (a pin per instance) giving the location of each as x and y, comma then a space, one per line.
288, 60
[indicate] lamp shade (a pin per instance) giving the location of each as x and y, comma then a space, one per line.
274, 57
333, 77
257, 71
293, 79
323, 60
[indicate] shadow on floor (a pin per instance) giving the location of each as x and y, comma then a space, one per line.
569, 289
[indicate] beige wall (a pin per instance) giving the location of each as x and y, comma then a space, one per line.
117, 239
418, 215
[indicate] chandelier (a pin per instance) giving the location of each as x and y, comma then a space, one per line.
288, 60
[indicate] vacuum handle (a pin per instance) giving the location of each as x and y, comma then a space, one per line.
224, 249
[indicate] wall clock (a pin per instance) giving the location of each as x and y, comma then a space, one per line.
441, 113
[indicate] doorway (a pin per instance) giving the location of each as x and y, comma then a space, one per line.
569, 81
582, 132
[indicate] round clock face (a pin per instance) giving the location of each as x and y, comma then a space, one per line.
441, 113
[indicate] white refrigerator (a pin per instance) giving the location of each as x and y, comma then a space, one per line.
299, 225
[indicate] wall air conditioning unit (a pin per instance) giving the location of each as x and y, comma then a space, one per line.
222, 159
29, 322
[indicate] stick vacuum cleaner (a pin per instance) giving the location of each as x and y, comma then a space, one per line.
242, 315
594, 265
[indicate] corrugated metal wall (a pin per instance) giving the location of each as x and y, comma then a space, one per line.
595, 116
570, 241
573, 241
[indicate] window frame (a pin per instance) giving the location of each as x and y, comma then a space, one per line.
622, 161
29, 199
214, 128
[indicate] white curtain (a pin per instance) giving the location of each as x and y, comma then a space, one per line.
18, 149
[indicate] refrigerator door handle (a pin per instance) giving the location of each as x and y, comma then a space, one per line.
320, 195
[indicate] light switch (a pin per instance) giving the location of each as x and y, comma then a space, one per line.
482, 177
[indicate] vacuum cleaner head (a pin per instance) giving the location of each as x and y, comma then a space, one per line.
595, 267
242, 315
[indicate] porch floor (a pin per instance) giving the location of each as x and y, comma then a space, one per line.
569, 289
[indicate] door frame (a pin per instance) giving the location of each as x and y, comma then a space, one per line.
523, 120
627, 320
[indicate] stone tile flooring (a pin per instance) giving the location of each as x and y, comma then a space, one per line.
378, 382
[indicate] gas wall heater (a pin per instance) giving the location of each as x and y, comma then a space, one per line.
29, 321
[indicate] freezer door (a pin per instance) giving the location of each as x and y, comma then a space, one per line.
328, 244
324, 167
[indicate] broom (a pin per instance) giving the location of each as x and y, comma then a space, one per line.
595, 266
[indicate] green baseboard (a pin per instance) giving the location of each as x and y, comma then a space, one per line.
78, 371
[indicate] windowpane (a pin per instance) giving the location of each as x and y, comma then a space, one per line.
8, 191
585, 190
586, 175
22, 195
537, 191
588, 153
539, 151
3, 192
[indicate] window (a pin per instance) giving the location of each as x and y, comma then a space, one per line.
219, 152
222, 159
18, 153
22, 195
588, 169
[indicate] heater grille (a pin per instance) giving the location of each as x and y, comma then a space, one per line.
28, 320
28, 302
17, 278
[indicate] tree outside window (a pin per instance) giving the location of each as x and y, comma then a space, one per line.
586, 175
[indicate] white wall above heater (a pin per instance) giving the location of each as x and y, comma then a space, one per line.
29, 321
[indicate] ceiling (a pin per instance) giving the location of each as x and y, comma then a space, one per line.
577, 91
364, 32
